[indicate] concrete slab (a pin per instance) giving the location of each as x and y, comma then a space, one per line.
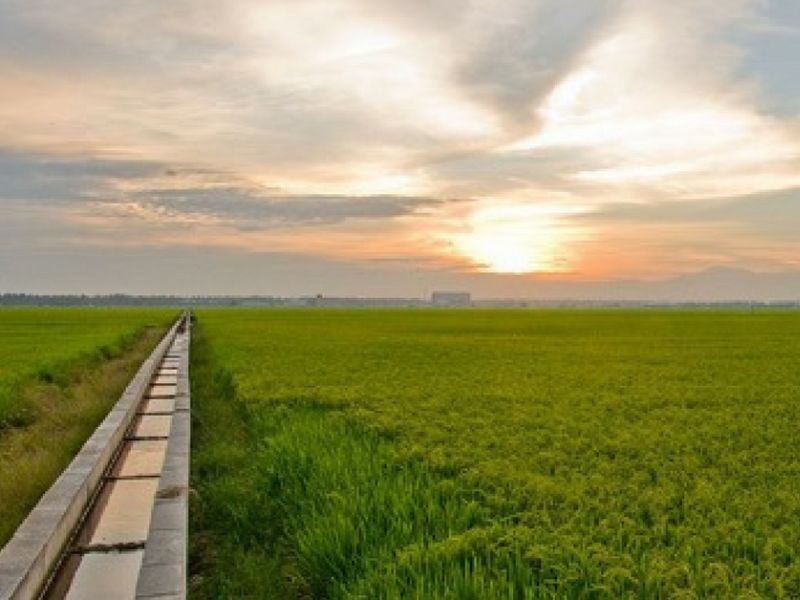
106, 575
123, 512
164, 547
161, 391
153, 426
21, 575
170, 513
159, 580
158, 405
182, 402
141, 458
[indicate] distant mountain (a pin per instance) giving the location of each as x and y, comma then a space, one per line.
718, 284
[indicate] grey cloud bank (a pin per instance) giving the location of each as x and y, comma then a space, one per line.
251, 210
34, 176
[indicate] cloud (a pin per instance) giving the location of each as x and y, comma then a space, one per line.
655, 104
778, 207
342, 128
246, 209
28, 176
187, 194
517, 51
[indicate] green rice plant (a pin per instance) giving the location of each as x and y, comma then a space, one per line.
500, 454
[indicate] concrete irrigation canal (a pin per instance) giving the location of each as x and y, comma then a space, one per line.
114, 524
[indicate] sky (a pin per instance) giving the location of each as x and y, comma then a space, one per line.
374, 147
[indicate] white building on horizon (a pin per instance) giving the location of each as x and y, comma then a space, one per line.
451, 299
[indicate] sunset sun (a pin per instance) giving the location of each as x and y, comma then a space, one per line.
514, 239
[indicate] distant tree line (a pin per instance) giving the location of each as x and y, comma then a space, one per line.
188, 301
333, 301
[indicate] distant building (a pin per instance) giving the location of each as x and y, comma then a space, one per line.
451, 299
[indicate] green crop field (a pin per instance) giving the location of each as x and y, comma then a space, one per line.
496, 454
43, 343
61, 369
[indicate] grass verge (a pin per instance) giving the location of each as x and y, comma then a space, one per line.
61, 409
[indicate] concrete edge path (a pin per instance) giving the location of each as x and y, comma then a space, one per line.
29, 559
163, 574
